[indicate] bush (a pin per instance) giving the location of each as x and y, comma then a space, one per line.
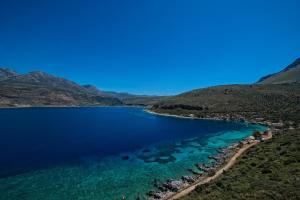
211, 173
266, 171
274, 177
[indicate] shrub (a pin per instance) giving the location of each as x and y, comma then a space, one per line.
211, 173
266, 171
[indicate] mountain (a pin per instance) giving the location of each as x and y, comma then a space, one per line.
94, 90
290, 74
120, 95
127, 98
42, 89
6, 73
143, 100
277, 101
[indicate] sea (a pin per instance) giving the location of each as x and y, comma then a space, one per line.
106, 153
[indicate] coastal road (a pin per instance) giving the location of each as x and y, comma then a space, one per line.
230, 163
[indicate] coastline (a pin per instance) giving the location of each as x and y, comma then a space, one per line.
187, 186
72, 106
169, 115
218, 173
181, 116
189, 183
206, 118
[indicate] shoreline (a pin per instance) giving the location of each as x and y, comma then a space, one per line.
187, 117
72, 106
206, 118
170, 115
219, 172
231, 162
186, 187
197, 179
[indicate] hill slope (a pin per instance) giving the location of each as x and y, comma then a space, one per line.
270, 170
236, 100
277, 101
41, 89
291, 74
126, 98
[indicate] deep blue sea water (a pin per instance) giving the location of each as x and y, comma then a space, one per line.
101, 153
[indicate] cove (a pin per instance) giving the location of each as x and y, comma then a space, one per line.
102, 152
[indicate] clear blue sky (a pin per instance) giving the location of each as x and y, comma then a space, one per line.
150, 47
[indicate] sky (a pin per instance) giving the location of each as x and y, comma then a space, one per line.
160, 47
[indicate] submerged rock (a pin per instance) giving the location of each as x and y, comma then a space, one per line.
155, 195
173, 185
188, 179
156, 183
203, 167
146, 151
194, 172
125, 157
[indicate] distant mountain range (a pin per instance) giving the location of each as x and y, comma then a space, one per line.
42, 89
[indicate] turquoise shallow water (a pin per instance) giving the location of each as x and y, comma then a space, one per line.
97, 176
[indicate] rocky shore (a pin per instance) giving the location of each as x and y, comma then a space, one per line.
171, 187
237, 117
204, 172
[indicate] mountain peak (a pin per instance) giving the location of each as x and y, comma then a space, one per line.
290, 74
92, 89
293, 65
40, 74
7, 73
40, 88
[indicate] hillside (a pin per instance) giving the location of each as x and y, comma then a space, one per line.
273, 102
270, 170
41, 89
290, 74
127, 98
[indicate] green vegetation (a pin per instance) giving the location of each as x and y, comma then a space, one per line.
272, 102
143, 100
275, 98
270, 170
211, 173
